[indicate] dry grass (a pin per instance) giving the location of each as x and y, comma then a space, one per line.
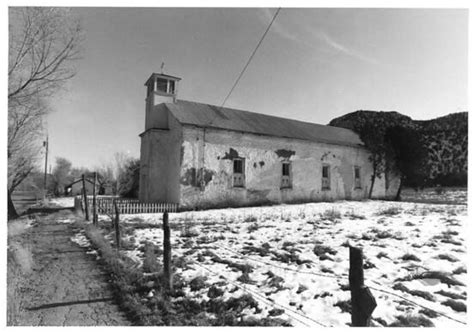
391, 211
412, 321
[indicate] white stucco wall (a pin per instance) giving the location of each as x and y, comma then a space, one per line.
212, 150
160, 158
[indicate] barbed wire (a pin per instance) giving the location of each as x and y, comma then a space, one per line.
264, 298
415, 303
280, 267
338, 278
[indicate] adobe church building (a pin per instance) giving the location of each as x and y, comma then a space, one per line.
202, 156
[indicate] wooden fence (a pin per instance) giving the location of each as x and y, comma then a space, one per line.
105, 205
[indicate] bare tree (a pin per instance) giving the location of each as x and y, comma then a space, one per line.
44, 42
62, 175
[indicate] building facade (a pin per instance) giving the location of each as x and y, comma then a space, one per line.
203, 156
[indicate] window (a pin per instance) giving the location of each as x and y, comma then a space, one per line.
239, 173
161, 85
171, 88
326, 179
357, 181
285, 175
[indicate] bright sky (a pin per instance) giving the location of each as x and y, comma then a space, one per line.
314, 65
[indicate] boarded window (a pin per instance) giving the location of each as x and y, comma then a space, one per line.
239, 174
326, 179
285, 175
357, 180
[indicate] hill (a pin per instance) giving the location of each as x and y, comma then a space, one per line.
445, 139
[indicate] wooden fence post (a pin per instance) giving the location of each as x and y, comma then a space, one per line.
94, 201
362, 301
84, 190
167, 254
116, 226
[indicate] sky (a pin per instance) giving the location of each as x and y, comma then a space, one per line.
314, 65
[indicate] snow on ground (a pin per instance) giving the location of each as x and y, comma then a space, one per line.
81, 239
297, 256
65, 202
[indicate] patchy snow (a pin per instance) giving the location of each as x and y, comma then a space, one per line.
66, 221
81, 239
65, 202
298, 257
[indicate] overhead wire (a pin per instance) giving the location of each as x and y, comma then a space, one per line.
250, 58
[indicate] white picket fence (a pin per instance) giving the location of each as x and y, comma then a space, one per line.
105, 205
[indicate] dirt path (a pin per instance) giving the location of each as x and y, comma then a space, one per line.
54, 281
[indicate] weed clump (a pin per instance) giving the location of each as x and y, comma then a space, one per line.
253, 227
447, 257
455, 305
322, 251
410, 257
250, 219
189, 230
451, 295
344, 305
382, 255
214, 292
419, 293
198, 283
391, 211
460, 270
332, 215
150, 260
275, 312
411, 321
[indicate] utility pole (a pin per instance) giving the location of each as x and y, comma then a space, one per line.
45, 144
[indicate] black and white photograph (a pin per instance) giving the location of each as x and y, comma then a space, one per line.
268, 165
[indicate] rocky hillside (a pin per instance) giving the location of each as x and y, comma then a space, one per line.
445, 139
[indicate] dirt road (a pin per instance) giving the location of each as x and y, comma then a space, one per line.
52, 281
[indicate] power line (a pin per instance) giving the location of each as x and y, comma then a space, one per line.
250, 59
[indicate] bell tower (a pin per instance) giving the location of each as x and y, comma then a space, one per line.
160, 88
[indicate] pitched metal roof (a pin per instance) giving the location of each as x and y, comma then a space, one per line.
209, 116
